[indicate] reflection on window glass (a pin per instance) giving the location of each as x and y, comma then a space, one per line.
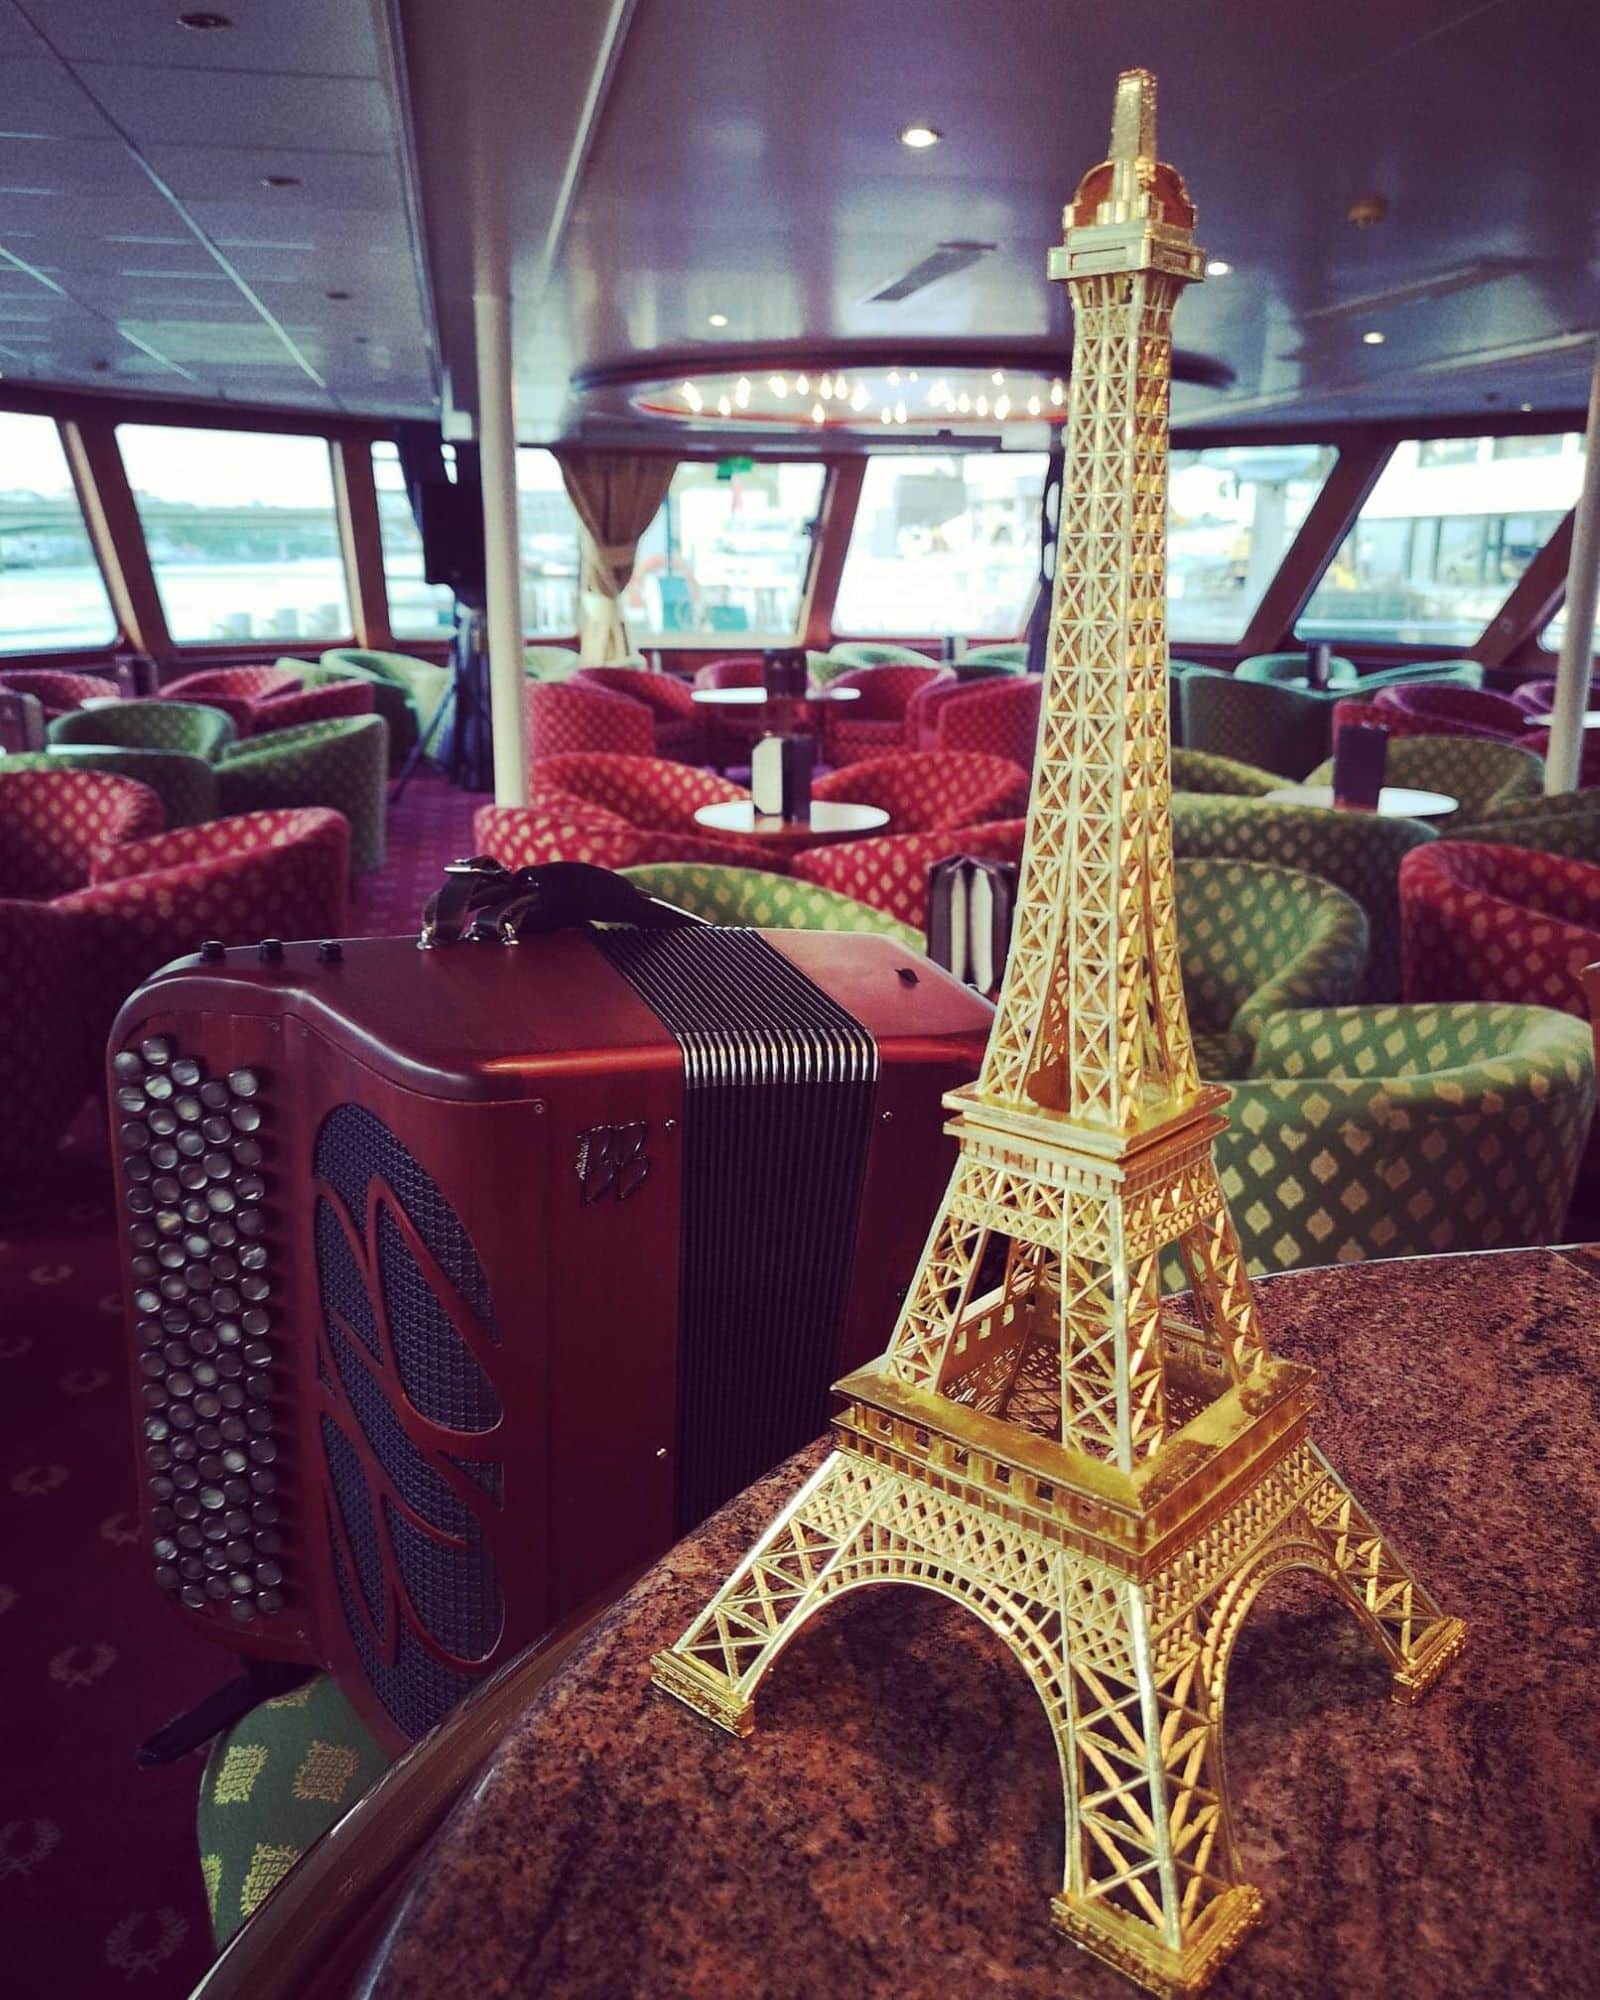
726, 554
417, 610
241, 531
1231, 514
51, 591
1449, 528
945, 546
549, 531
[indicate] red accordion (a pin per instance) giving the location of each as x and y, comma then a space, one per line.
462, 1281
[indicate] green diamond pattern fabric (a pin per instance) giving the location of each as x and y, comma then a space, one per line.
844, 658
187, 726
342, 763
751, 896
1282, 729
1357, 852
272, 1785
389, 699
1294, 669
1567, 824
1202, 771
426, 684
1486, 777
1253, 940
186, 786
1366, 1132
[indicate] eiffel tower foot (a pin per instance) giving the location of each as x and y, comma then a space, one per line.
1130, 1949
1439, 1646
707, 1692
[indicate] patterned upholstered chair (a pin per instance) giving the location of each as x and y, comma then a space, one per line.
563, 718
1000, 717
933, 788
928, 703
891, 872
852, 653
1485, 776
186, 786
1537, 739
764, 901
1009, 656
1537, 698
1454, 711
1404, 1131
1255, 939
56, 824
426, 683
389, 698
1202, 771
1357, 852
1350, 711
1294, 669
186, 726
342, 764
238, 691
876, 723
60, 692
274, 1783
265, 874
41, 1074
1498, 923
550, 663
557, 827
332, 698
1567, 824
677, 726
648, 793
1275, 727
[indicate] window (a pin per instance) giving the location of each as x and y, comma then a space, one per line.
51, 591
944, 546
241, 532
1440, 543
417, 610
549, 531
727, 554
1231, 514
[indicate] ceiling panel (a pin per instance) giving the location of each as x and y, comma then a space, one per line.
208, 180
321, 37
233, 108
38, 97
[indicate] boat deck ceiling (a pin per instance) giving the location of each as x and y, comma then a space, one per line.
662, 161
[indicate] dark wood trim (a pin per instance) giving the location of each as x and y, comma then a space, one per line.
355, 500
112, 518
1511, 639
1535, 423
841, 494
118, 407
1329, 519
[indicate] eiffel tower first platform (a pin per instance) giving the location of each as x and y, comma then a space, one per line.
1106, 1478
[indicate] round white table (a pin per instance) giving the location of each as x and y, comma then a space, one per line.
757, 697
829, 819
1394, 801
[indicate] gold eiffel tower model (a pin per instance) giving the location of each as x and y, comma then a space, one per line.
1105, 1482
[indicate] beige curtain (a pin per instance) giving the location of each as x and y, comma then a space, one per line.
617, 497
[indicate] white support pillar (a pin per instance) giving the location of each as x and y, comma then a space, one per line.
1577, 646
497, 457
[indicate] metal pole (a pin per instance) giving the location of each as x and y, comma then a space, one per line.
497, 458
1563, 758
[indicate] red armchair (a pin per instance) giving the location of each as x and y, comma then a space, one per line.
1480, 922
1452, 711
677, 727
647, 792
55, 825
934, 788
999, 718
41, 1074
290, 707
563, 717
240, 692
891, 872
876, 723
60, 692
560, 828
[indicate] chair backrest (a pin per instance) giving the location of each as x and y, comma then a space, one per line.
187, 726
877, 653
1439, 673
563, 717
752, 896
1281, 729
649, 792
1482, 922
58, 689
885, 691
746, 670
185, 785
1253, 938
921, 790
55, 822
1295, 669
1000, 718
1454, 711
280, 743
1484, 774
1201, 771
1010, 656
550, 663
891, 872
1535, 698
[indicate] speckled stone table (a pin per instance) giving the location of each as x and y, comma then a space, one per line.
894, 1827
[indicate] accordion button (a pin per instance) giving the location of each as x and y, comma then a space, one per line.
166, 1576
130, 1100
199, 1277
268, 1542
263, 1450
164, 1188
163, 1517
254, 1288
259, 1420
143, 1268
269, 1574
160, 1487
270, 1601
238, 1492
229, 1333
151, 1367
157, 1050
193, 1596
212, 950
135, 1137
170, 1257
211, 1499
265, 1512
231, 1396
253, 1257
216, 1588
214, 1095
158, 1458
242, 1609
244, 1082
251, 1187
263, 1482
215, 1131
183, 1449
245, 1118
209, 1437
204, 1374
157, 1429
258, 1385
165, 1549
189, 1537
187, 1107
220, 1200
257, 1353
185, 1477
181, 1417
146, 1300
186, 1072
187, 1507
233, 1430
222, 1233
141, 1201
143, 1235
206, 1405
127, 1064
136, 1167
226, 1299
172, 1287
190, 1144
217, 1165
158, 1088
192, 1175
247, 1152
162, 1121
251, 1222
175, 1319
154, 1396
241, 1583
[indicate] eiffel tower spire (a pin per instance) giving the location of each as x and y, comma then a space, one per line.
1104, 1480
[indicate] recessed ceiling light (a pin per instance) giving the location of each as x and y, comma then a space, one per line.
336, 295
920, 137
1372, 337
1217, 267
280, 180
716, 319
1525, 408
204, 23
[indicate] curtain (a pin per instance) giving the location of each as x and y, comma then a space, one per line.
616, 497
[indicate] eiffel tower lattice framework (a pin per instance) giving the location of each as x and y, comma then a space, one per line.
1105, 1480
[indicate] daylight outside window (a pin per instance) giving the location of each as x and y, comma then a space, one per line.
943, 546
548, 526
51, 591
1443, 538
242, 533
417, 609
726, 556
1231, 514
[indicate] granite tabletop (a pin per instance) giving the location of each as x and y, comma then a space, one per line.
894, 1827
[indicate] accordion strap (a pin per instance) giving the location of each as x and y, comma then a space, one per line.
482, 900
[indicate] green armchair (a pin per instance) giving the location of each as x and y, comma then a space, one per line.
1367, 1132
1202, 771
853, 653
426, 683
1484, 775
1261, 722
1254, 940
389, 699
185, 726
765, 902
341, 763
1293, 670
185, 785
1566, 823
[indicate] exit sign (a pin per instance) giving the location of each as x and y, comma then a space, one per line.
727, 467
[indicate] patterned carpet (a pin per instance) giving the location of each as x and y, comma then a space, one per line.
100, 1889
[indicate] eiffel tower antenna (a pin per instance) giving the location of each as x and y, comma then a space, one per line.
1103, 1478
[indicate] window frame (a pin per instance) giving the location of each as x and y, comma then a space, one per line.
100, 650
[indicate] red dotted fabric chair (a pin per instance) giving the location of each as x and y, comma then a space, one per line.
932, 789
1453, 711
563, 717
1588, 758
1498, 923
1536, 698
558, 828
647, 792
1000, 719
677, 727
1368, 715
60, 692
262, 874
240, 692
291, 707
41, 1075
875, 723
55, 826
732, 733
746, 670
891, 872
927, 705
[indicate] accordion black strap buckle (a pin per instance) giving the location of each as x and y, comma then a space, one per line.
482, 901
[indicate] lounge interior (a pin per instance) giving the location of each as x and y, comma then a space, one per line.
643, 434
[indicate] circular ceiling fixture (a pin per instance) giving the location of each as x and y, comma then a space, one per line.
716, 319
204, 23
920, 137
280, 180
881, 398
1373, 338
